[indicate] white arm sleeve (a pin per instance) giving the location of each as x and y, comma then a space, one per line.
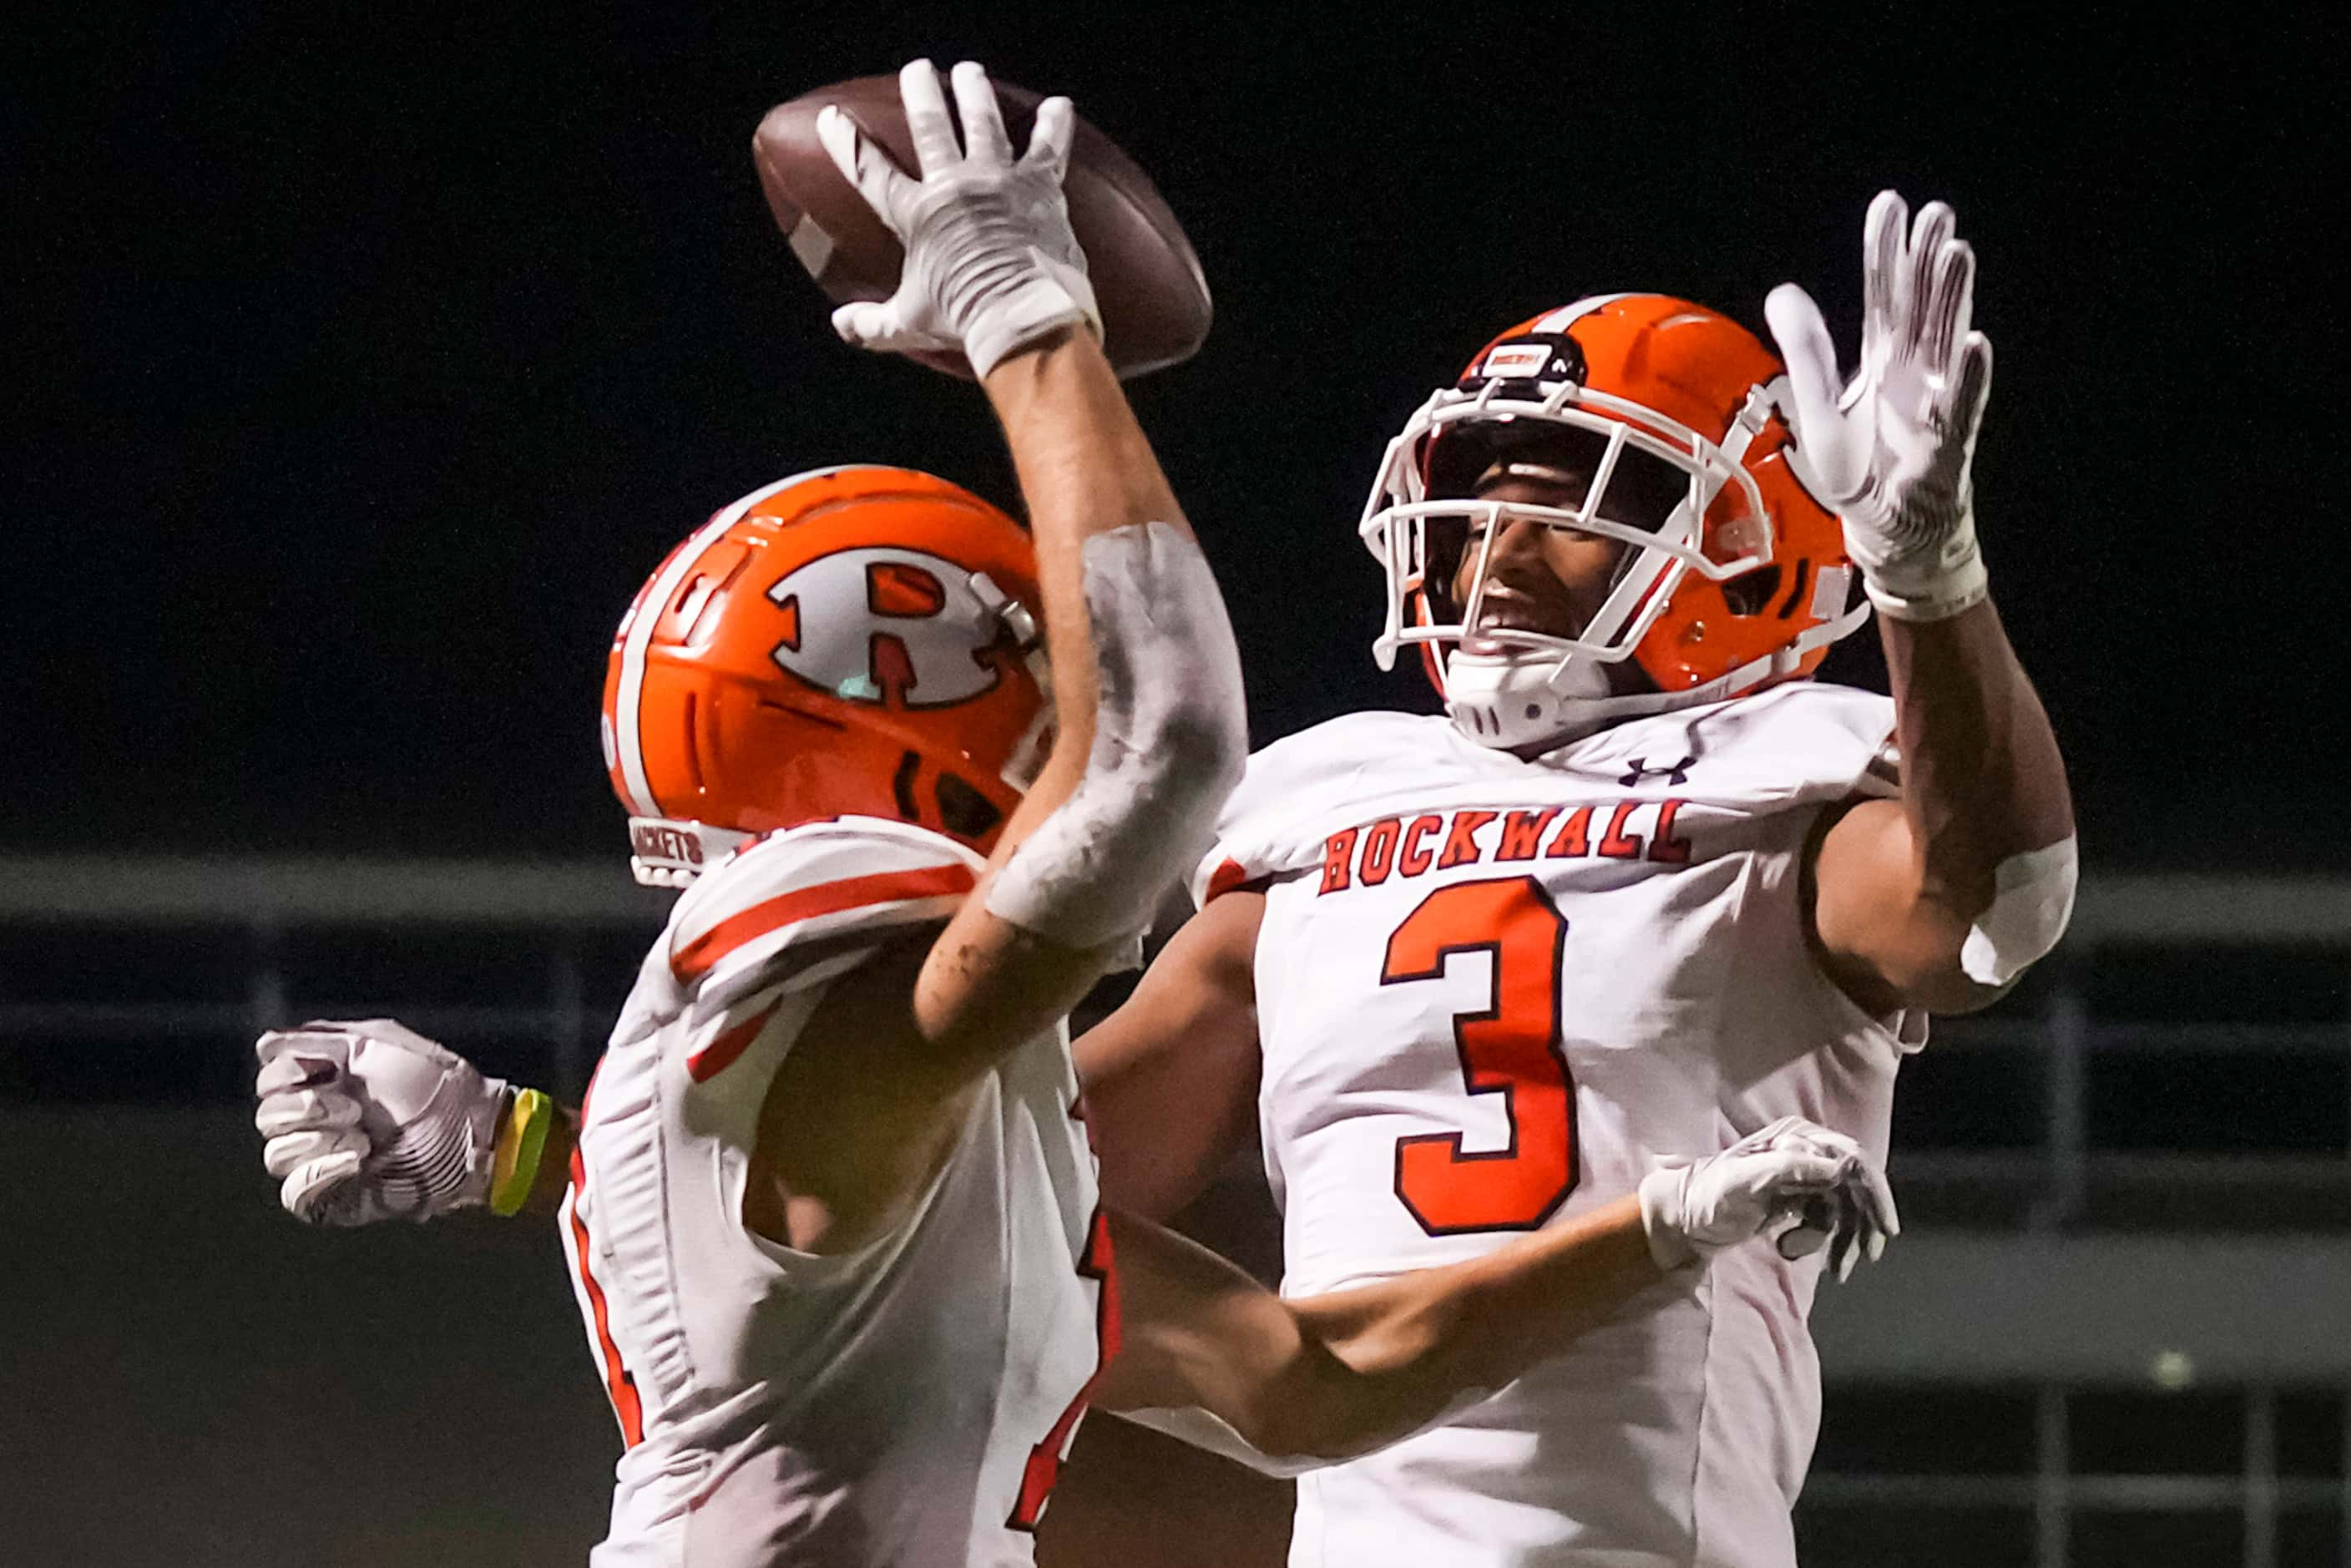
1170, 737
2031, 904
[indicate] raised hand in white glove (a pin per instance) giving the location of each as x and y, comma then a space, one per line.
992, 264
371, 1121
1794, 1179
1891, 450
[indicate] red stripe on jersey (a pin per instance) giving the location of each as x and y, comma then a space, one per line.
719, 1055
697, 958
1233, 877
627, 1408
1043, 1471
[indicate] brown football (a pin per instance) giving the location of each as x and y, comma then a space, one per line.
1153, 300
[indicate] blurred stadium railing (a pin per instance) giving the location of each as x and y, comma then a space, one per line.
2118, 1328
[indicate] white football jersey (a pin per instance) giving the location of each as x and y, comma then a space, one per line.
908, 1403
1492, 993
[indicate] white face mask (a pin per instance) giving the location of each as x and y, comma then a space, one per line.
1529, 687
1535, 689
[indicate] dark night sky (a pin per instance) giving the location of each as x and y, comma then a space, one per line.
362, 360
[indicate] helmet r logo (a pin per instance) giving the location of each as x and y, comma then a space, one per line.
894, 627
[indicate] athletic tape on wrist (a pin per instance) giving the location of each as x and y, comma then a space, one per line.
1058, 296
1170, 737
522, 1143
1933, 590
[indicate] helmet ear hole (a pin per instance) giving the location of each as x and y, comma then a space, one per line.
967, 812
1751, 593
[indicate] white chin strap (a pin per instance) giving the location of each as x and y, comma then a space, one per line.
1513, 700
1510, 700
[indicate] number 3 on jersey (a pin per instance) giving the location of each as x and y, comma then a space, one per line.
1511, 1048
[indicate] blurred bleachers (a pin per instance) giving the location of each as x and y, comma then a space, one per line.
2118, 1329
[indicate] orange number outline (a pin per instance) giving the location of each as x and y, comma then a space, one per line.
1513, 1049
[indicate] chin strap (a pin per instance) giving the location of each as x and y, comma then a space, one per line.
1020, 768
1507, 715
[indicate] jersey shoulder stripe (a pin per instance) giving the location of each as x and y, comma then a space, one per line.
731, 1042
865, 894
801, 904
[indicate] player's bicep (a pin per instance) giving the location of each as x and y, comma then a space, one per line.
873, 1093
856, 1118
1171, 1078
1208, 1355
1873, 927
1196, 1332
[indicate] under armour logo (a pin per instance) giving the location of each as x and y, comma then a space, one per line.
1678, 773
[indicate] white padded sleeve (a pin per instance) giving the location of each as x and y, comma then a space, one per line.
2031, 904
1170, 736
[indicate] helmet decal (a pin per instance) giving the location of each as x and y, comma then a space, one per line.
924, 640
851, 640
1536, 357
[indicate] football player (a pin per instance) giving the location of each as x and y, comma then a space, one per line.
831, 1212
1644, 888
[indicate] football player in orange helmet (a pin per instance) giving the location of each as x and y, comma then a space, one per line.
1635, 446
854, 641
1644, 888
831, 1209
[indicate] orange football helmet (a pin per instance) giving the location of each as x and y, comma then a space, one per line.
857, 639
1734, 575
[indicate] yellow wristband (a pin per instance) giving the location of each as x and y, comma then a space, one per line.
514, 1170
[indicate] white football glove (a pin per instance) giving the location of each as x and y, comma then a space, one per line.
991, 262
1791, 1171
1891, 451
371, 1121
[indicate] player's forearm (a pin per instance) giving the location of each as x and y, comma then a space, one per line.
1148, 695
1395, 1355
1085, 469
1147, 684
1989, 816
1940, 900
1084, 465
1213, 1357
1982, 778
